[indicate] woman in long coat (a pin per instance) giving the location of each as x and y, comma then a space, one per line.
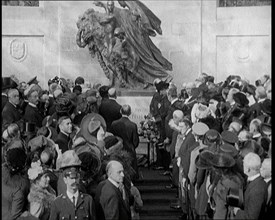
41, 193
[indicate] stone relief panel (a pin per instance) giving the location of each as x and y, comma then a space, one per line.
34, 3
23, 56
243, 55
18, 50
243, 3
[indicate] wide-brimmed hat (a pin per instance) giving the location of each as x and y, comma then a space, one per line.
16, 159
90, 156
15, 143
69, 159
241, 99
200, 128
33, 81
266, 125
113, 144
228, 149
211, 136
229, 137
39, 142
251, 146
266, 106
203, 159
89, 124
45, 131
8, 83
63, 104
222, 160
162, 85
202, 111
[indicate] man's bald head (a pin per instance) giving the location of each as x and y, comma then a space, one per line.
13, 96
115, 171
260, 92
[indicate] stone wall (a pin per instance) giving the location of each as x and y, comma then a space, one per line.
197, 37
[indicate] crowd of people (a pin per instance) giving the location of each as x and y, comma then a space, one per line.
215, 144
68, 151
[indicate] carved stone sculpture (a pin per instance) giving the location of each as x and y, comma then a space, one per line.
120, 40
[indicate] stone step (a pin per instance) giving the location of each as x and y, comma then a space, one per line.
159, 210
158, 198
153, 182
156, 189
160, 217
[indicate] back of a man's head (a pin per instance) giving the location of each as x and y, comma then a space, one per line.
125, 110
103, 91
253, 162
79, 81
260, 92
111, 165
11, 92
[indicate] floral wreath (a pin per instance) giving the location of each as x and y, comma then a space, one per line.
35, 170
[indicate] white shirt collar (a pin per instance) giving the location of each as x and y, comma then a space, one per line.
188, 130
33, 105
12, 104
70, 195
261, 100
267, 179
112, 98
113, 182
4, 94
251, 178
173, 101
64, 133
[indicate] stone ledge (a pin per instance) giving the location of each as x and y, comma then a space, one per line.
135, 92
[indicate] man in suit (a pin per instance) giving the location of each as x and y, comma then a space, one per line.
63, 138
7, 83
127, 130
110, 199
72, 204
32, 114
256, 108
10, 113
187, 144
255, 194
110, 109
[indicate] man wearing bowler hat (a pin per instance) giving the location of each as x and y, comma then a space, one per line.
73, 204
7, 83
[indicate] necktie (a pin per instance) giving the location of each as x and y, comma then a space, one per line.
122, 190
74, 200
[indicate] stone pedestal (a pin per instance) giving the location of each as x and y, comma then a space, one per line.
139, 102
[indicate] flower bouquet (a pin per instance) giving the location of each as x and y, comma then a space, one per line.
148, 129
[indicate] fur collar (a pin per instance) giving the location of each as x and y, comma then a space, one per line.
44, 196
